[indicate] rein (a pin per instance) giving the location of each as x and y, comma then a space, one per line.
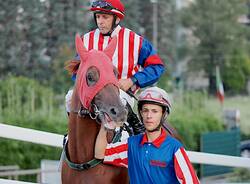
80, 167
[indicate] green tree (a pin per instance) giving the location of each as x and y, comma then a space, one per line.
61, 80
166, 31
33, 31
133, 16
216, 26
236, 71
167, 38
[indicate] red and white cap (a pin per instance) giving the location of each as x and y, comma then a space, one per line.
109, 6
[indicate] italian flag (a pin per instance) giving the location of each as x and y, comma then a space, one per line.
219, 86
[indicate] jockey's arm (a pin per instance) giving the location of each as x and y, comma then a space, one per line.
149, 75
101, 143
183, 168
153, 66
113, 153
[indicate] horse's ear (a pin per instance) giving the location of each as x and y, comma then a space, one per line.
110, 49
81, 50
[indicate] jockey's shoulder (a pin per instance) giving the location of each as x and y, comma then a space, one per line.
85, 33
121, 28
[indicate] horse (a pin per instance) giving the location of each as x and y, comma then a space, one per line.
95, 100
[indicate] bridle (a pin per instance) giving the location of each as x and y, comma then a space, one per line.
93, 114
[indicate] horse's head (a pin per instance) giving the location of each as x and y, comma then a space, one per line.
97, 84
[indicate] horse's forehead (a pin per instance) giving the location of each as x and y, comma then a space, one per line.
93, 54
99, 59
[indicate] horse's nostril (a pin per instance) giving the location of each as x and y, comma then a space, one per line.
119, 114
113, 111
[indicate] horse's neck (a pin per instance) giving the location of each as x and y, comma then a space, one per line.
82, 136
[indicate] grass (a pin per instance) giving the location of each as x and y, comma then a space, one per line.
238, 102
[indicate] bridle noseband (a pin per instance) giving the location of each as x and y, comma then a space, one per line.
93, 113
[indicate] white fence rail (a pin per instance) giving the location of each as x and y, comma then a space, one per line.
4, 181
30, 135
51, 139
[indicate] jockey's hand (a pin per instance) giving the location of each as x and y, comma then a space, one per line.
101, 143
125, 84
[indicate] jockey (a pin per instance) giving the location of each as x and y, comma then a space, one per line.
152, 157
135, 58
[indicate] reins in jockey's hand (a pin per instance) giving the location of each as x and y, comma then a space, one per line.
131, 94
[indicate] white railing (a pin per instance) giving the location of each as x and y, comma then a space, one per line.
51, 139
30, 135
4, 181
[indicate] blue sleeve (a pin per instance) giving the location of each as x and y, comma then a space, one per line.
145, 51
149, 75
152, 65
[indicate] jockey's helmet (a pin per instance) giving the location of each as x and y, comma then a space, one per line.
114, 7
156, 96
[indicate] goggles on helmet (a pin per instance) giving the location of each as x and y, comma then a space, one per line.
102, 4
154, 97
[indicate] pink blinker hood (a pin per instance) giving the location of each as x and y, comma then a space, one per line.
102, 60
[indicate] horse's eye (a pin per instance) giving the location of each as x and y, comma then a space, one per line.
90, 79
92, 76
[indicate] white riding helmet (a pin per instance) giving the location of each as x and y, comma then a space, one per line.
155, 95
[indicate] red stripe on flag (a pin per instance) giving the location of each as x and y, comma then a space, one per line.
219, 86
131, 54
120, 52
220, 96
91, 40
